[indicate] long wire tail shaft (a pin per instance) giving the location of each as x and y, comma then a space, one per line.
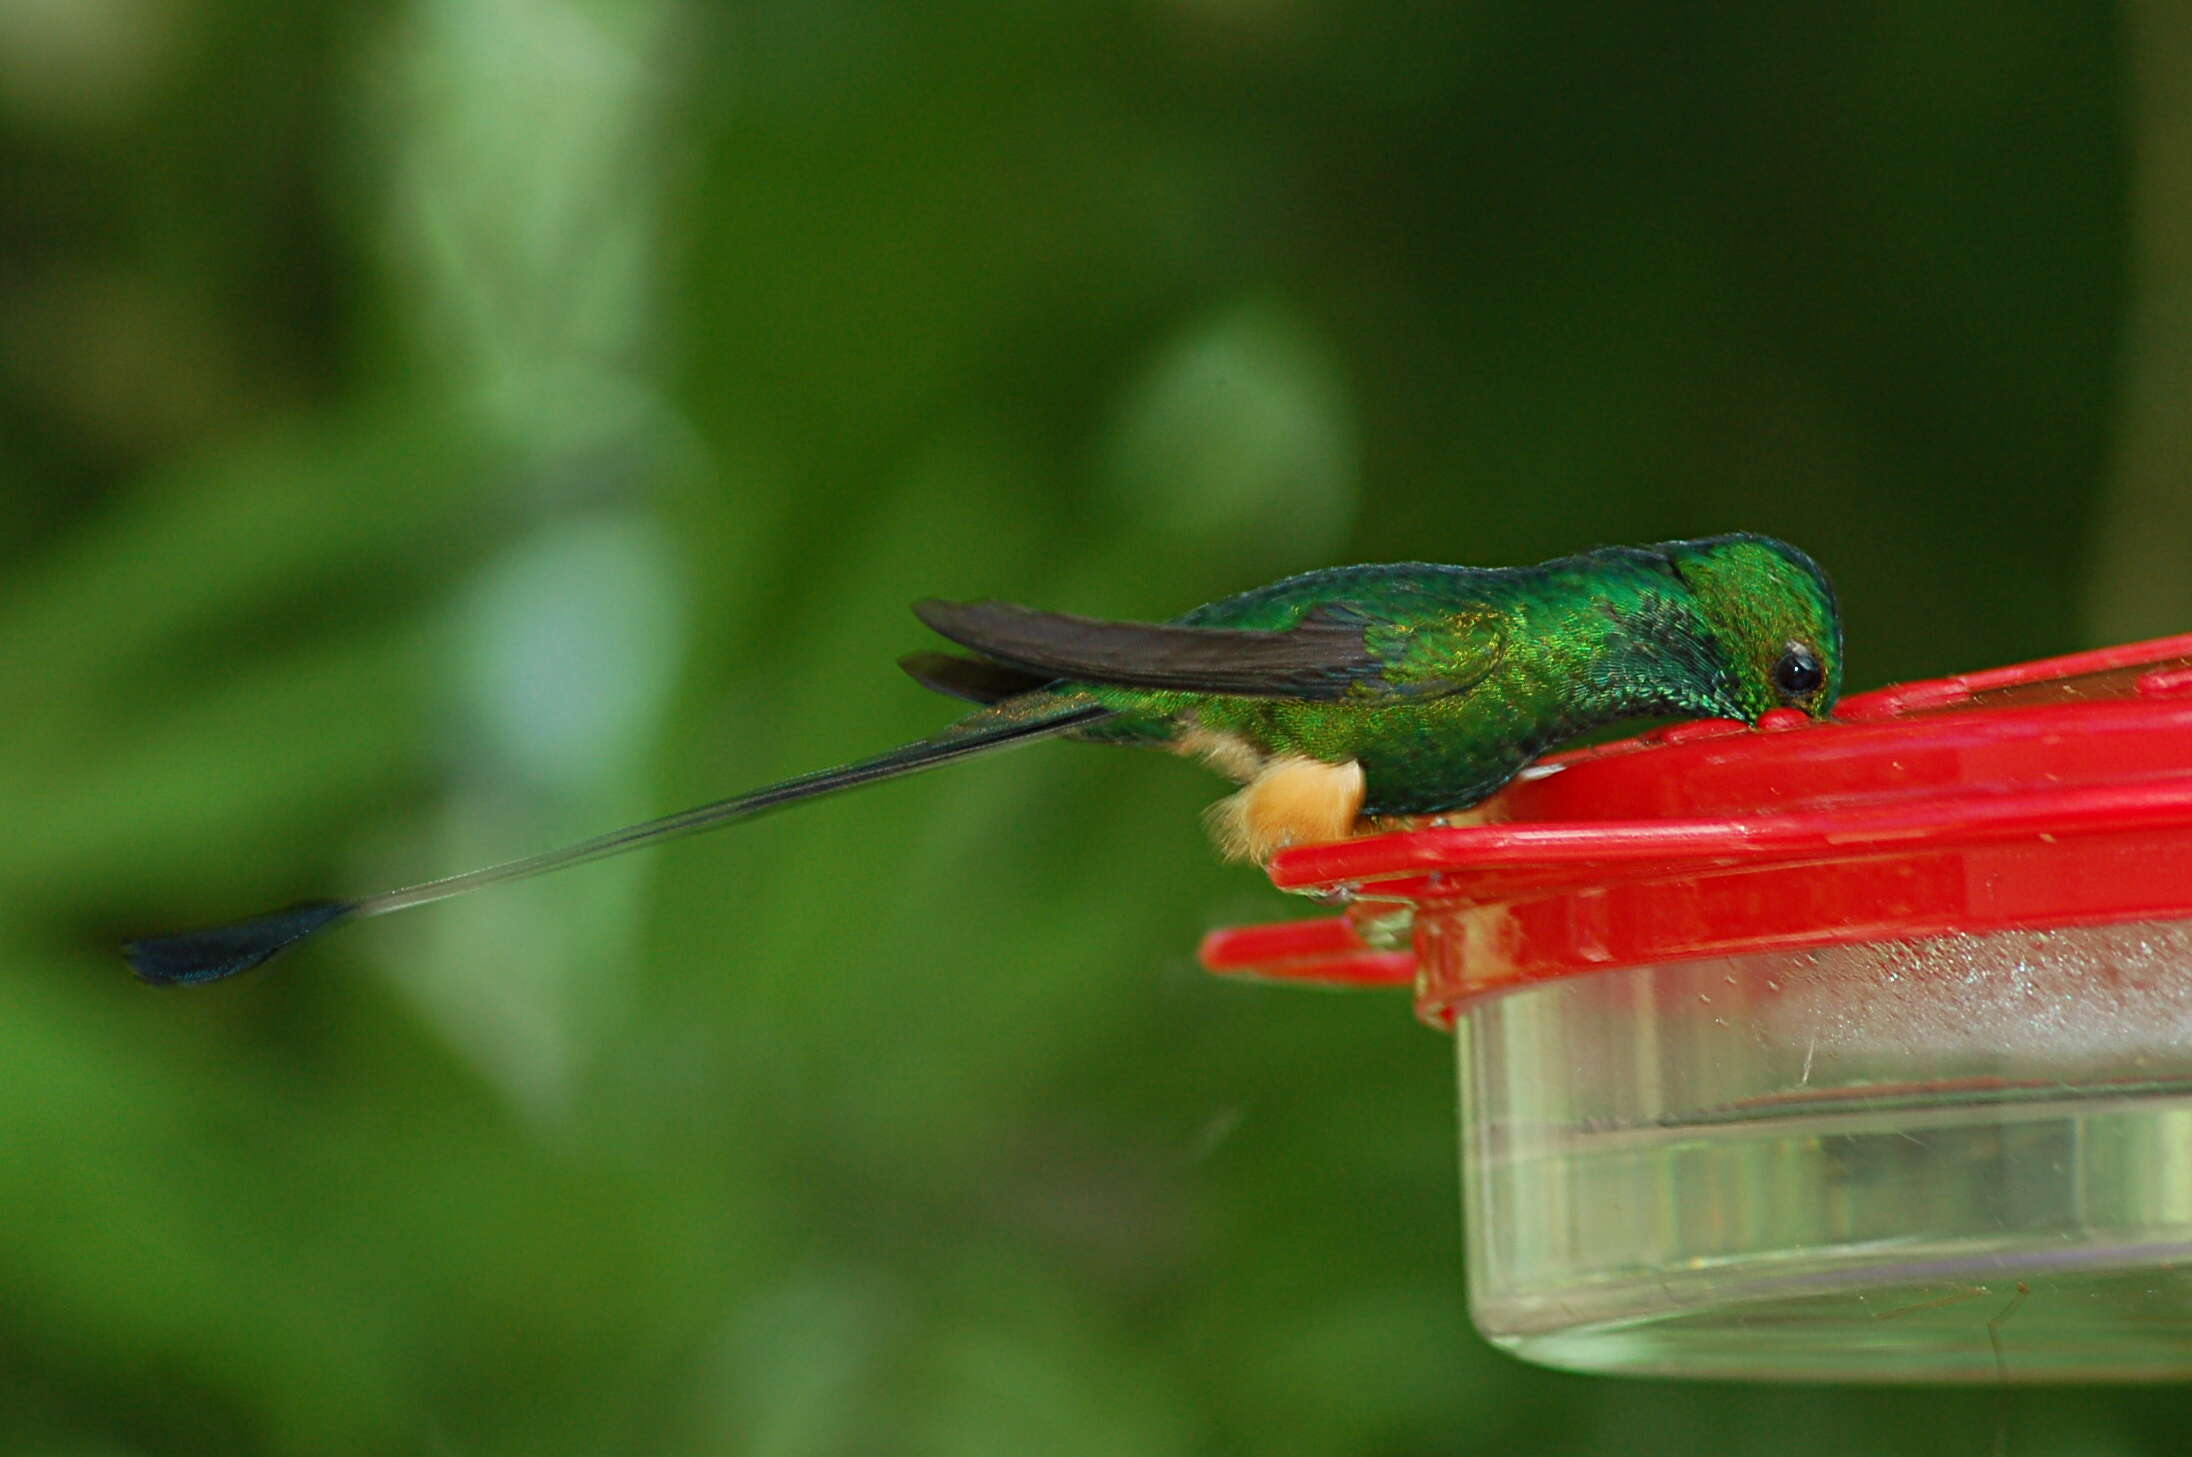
188, 958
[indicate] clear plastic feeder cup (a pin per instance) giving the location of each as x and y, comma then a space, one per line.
1856, 1051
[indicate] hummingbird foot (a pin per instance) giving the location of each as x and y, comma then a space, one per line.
1290, 801
1486, 813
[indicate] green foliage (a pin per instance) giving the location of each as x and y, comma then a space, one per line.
431, 432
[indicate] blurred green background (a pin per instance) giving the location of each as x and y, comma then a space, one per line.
433, 430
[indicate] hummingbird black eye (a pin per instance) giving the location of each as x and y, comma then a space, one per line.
1798, 672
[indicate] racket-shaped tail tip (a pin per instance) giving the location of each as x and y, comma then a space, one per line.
190, 957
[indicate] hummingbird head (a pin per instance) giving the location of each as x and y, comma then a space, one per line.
1773, 612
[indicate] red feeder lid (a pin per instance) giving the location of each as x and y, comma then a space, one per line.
2045, 794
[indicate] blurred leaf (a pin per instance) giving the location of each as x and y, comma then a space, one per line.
1239, 443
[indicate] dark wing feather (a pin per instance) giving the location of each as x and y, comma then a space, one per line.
1321, 657
970, 679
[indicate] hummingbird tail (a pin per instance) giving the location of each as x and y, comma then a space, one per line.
188, 958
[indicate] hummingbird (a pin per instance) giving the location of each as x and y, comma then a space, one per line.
1334, 699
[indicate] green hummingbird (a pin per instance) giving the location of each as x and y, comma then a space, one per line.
1329, 697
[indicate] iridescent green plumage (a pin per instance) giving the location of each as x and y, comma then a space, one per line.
1478, 671
1416, 688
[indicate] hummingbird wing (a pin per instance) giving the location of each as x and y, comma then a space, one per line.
1319, 657
1447, 652
1333, 651
970, 679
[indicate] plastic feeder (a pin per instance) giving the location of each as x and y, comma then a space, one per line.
1856, 1051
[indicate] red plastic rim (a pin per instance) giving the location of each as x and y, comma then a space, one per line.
2042, 794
